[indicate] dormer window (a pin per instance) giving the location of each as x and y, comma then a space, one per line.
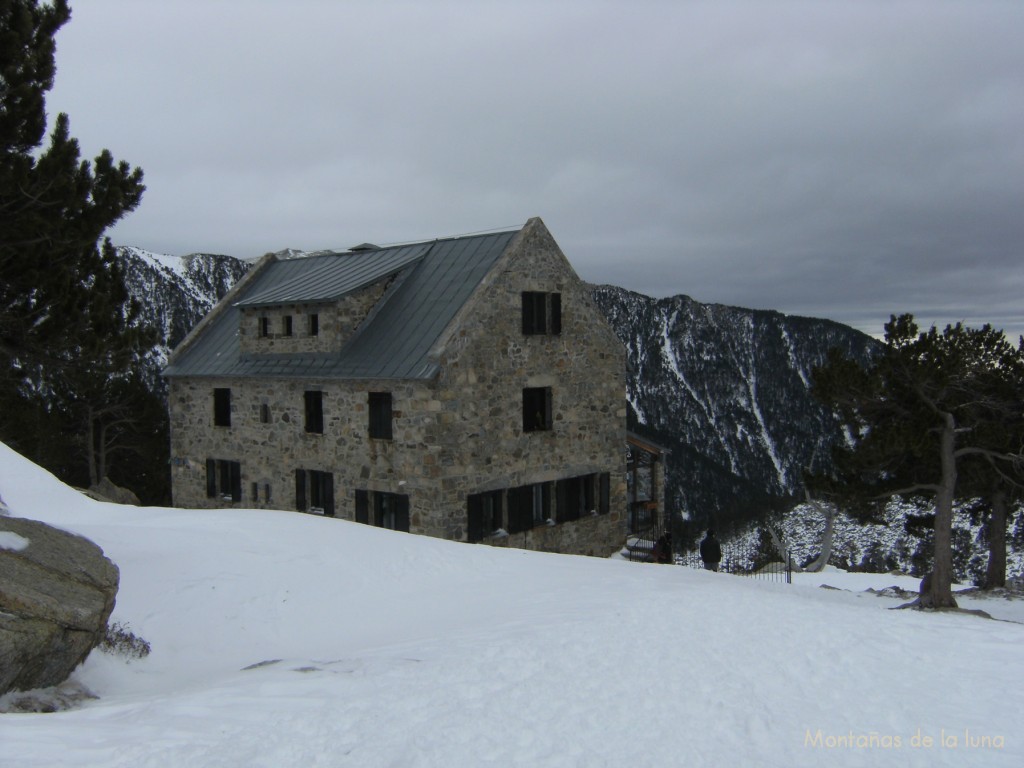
542, 313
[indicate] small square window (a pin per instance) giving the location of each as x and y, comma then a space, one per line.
542, 313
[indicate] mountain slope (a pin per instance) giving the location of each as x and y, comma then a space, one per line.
728, 390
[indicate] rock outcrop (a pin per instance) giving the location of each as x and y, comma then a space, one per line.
57, 591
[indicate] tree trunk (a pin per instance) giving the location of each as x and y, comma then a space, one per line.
90, 446
995, 575
829, 513
940, 591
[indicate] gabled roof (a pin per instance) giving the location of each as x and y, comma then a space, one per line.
433, 280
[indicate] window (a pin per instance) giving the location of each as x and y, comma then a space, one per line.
314, 492
314, 401
528, 505
223, 480
380, 415
264, 413
536, 409
286, 327
222, 407
264, 327
390, 510
255, 491
314, 324
542, 313
484, 513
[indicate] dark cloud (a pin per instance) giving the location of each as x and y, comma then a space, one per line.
844, 159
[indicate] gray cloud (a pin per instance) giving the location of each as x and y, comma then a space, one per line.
845, 160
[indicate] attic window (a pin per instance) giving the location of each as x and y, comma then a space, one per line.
542, 313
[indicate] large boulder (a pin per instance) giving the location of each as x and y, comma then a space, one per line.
56, 593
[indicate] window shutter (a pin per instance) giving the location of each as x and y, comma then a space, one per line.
362, 507
300, 490
327, 494
474, 515
556, 314
402, 512
211, 478
547, 408
606, 483
235, 470
562, 513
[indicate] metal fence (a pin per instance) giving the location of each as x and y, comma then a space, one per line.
760, 561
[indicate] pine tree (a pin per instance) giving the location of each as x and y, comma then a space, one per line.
65, 313
936, 413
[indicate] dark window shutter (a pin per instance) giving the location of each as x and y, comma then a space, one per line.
562, 512
327, 493
474, 514
211, 478
402, 512
362, 507
235, 470
556, 314
300, 490
606, 489
513, 501
496, 521
547, 408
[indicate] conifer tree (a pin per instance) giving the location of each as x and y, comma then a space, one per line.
936, 413
64, 308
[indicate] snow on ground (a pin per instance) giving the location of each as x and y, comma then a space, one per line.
281, 639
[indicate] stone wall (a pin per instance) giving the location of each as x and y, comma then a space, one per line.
459, 434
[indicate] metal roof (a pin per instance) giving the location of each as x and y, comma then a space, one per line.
329, 277
434, 280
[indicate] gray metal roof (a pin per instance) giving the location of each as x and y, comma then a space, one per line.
329, 277
435, 279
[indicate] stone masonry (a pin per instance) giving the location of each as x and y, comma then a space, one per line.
457, 434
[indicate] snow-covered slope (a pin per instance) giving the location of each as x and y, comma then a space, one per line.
281, 639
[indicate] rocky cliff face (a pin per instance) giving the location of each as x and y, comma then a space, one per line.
728, 391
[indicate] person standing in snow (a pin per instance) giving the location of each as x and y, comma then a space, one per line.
711, 551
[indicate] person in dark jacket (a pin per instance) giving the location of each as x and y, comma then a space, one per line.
662, 552
711, 551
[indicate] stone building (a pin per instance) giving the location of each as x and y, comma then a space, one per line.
464, 388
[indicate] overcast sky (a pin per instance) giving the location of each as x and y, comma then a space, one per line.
847, 160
